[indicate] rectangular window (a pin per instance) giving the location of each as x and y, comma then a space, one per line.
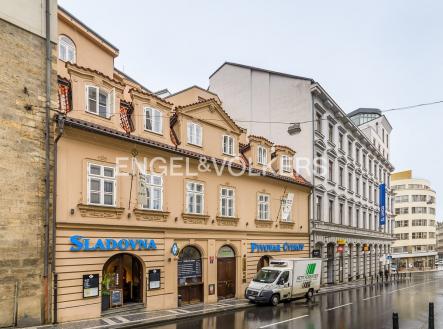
340, 141
364, 161
318, 119
370, 166
350, 181
419, 222
341, 214
194, 198
419, 210
350, 221
318, 163
263, 206
402, 223
194, 134
286, 163
340, 176
402, 211
153, 120
331, 171
99, 101
370, 221
357, 155
331, 211
357, 185
319, 205
101, 185
227, 204
419, 235
331, 133
262, 155
350, 149
403, 198
228, 145
357, 217
364, 189
151, 191
364, 219
402, 236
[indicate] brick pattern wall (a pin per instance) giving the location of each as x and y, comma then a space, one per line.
22, 173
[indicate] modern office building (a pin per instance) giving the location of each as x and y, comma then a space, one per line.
415, 246
345, 157
440, 240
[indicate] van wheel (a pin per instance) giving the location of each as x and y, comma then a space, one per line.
309, 294
275, 299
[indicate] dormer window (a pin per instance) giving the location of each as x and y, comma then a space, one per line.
153, 120
228, 145
262, 156
194, 134
99, 101
66, 49
285, 163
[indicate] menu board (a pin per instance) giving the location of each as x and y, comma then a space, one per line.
154, 279
90, 285
189, 268
116, 297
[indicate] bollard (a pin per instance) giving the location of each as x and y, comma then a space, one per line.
394, 320
431, 316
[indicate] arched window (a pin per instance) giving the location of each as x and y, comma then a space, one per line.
66, 49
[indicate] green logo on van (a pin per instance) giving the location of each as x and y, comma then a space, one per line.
310, 269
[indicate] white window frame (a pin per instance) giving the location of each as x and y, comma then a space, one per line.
286, 163
195, 134
263, 207
69, 45
228, 145
102, 179
148, 183
156, 118
262, 155
227, 210
110, 101
192, 194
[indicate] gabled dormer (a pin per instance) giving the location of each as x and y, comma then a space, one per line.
283, 160
259, 152
152, 115
204, 127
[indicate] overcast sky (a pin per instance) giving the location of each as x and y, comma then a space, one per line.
382, 54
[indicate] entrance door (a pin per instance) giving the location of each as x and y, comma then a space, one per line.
330, 263
226, 273
125, 273
190, 284
341, 261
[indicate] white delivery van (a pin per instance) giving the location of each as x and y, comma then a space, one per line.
284, 280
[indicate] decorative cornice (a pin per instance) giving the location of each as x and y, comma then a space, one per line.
151, 215
195, 218
95, 211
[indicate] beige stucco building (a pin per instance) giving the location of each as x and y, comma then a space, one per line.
415, 246
160, 202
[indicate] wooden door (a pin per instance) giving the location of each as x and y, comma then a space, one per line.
226, 272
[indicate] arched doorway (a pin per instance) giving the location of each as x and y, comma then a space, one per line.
319, 247
370, 259
263, 262
124, 272
190, 269
330, 253
226, 272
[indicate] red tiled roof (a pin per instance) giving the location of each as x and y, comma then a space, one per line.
261, 138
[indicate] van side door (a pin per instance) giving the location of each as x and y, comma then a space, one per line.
285, 284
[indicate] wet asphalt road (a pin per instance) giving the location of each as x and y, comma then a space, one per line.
369, 307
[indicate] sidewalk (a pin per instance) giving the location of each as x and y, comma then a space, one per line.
151, 318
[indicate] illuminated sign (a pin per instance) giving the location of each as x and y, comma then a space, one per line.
80, 243
272, 247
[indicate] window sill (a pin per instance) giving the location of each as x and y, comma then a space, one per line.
151, 215
286, 224
195, 218
105, 119
196, 145
341, 187
263, 223
153, 132
330, 182
99, 211
227, 221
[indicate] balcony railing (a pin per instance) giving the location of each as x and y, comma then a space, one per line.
327, 227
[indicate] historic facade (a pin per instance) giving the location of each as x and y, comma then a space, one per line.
24, 261
345, 157
160, 202
415, 246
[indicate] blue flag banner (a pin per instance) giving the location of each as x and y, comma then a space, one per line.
382, 195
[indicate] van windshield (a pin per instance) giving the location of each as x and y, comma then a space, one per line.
266, 276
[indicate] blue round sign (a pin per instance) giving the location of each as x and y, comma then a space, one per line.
175, 249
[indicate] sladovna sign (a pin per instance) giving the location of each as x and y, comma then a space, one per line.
80, 243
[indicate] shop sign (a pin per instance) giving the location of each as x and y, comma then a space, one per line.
382, 202
116, 297
263, 247
189, 268
175, 249
365, 247
211, 289
154, 279
90, 285
316, 253
286, 206
341, 242
340, 249
81, 244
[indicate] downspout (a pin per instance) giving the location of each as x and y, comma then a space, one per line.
313, 177
47, 157
60, 126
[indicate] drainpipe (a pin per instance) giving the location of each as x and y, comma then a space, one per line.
47, 156
60, 126
313, 177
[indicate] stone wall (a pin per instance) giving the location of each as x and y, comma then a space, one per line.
22, 173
